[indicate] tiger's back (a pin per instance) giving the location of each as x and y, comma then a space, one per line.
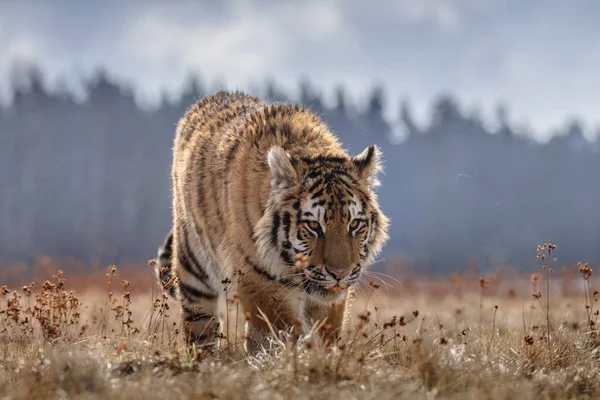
238, 205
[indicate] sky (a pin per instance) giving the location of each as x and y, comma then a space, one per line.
539, 57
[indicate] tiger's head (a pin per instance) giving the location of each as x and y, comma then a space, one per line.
323, 209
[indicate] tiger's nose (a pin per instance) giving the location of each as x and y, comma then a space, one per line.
338, 273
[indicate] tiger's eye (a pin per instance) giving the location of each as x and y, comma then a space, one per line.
354, 224
314, 225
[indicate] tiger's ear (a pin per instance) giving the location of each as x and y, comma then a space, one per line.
283, 174
368, 165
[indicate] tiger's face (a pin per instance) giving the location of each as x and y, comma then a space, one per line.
323, 211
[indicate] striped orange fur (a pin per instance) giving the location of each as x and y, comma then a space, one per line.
256, 187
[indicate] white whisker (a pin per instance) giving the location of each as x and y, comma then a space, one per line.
270, 283
385, 284
386, 276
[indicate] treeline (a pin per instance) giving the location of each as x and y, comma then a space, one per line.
83, 178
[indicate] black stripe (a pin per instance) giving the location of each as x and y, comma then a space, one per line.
167, 248
299, 218
342, 173
313, 174
165, 259
373, 226
268, 275
172, 291
286, 128
318, 203
366, 250
189, 262
275, 229
317, 193
230, 155
206, 117
315, 185
186, 296
290, 197
187, 290
285, 256
373, 220
306, 132
341, 180
324, 159
346, 185
287, 220
184, 261
339, 196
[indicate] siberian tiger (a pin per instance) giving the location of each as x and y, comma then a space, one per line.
257, 187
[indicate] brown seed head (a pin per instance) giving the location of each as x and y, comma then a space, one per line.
585, 270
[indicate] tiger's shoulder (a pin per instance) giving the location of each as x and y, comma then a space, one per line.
213, 112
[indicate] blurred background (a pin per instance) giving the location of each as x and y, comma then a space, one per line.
486, 112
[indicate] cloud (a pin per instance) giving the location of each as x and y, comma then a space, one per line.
248, 45
539, 57
442, 14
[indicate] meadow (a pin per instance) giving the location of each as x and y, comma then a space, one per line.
463, 336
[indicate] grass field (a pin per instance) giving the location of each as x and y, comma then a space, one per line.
461, 336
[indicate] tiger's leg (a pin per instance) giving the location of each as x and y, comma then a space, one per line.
200, 319
281, 305
336, 316
163, 267
198, 297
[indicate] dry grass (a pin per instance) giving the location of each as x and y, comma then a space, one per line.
464, 337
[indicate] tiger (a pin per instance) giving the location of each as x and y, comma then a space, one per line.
267, 202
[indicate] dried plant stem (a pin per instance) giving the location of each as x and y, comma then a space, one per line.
493, 327
548, 305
